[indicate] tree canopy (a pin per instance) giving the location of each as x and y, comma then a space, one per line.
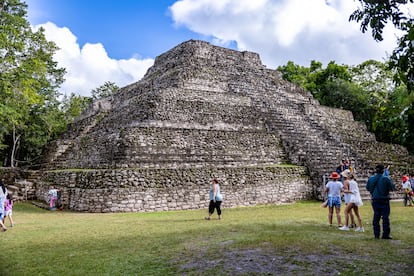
105, 90
375, 15
367, 90
29, 78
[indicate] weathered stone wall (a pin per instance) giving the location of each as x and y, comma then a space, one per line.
19, 183
139, 190
203, 108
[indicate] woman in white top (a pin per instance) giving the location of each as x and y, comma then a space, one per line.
347, 197
3, 195
215, 199
354, 201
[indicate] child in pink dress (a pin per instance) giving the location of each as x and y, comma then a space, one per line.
8, 210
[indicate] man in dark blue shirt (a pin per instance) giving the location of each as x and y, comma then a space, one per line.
380, 186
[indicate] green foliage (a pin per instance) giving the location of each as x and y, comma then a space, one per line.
368, 90
29, 79
106, 90
73, 106
375, 15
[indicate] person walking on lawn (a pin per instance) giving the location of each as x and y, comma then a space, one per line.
215, 200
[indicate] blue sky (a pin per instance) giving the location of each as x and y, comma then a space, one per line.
118, 40
124, 27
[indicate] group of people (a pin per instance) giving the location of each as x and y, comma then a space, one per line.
349, 187
6, 206
379, 185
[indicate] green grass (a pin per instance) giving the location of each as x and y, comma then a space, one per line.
264, 240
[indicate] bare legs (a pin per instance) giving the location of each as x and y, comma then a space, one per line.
348, 212
10, 219
4, 228
338, 215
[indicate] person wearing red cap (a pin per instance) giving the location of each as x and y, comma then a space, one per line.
334, 188
406, 186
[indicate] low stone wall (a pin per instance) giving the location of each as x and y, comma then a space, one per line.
18, 183
143, 190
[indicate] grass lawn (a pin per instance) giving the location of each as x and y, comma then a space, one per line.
265, 240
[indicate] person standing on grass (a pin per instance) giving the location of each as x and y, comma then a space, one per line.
406, 186
215, 199
3, 195
412, 181
334, 188
8, 210
379, 187
354, 201
53, 193
347, 195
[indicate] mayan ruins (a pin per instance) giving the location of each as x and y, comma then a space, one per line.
202, 112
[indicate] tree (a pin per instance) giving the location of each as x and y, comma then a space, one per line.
366, 89
73, 106
105, 90
376, 14
29, 79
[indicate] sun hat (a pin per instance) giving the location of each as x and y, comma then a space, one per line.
334, 175
346, 173
404, 178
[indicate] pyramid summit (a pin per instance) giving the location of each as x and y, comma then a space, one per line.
202, 112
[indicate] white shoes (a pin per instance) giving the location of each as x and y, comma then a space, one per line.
346, 228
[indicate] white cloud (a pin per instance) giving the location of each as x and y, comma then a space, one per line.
90, 66
283, 30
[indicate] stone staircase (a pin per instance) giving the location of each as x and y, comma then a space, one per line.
206, 106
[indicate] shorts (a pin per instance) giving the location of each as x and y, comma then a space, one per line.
334, 201
8, 213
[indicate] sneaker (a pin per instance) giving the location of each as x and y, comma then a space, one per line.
344, 228
360, 229
353, 225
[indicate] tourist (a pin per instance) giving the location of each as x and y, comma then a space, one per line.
53, 193
412, 181
333, 189
8, 210
347, 195
342, 167
379, 187
3, 195
406, 186
354, 201
215, 200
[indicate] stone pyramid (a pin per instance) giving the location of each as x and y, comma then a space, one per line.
204, 112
